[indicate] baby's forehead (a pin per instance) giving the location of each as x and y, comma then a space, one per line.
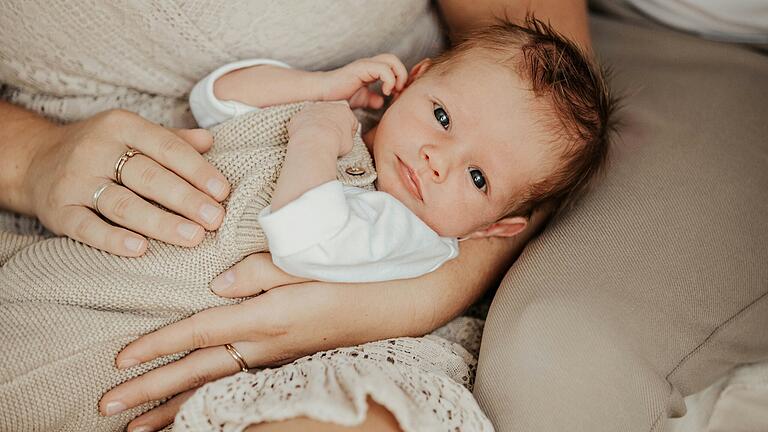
509, 60
493, 101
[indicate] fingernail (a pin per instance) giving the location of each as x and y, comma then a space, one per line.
215, 186
113, 408
133, 244
188, 231
126, 363
144, 428
223, 281
209, 213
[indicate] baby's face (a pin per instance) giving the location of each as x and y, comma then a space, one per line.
456, 147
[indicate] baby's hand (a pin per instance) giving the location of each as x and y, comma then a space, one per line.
324, 123
351, 82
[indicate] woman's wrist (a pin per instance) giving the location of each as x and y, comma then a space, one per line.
22, 136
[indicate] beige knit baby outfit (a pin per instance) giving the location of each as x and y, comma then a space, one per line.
67, 309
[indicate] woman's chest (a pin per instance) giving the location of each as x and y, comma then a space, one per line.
164, 47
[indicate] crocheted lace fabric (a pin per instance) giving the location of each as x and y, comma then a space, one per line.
420, 380
67, 309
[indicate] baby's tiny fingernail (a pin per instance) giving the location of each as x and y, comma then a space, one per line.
133, 244
113, 408
126, 363
143, 428
223, 282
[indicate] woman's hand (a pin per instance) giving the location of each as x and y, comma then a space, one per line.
298, 318
277, 326
72, 162
351, 82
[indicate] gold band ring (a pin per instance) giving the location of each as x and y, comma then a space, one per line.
97, 195
121, 162
238, 357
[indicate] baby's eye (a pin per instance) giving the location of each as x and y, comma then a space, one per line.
441, 116
478, 179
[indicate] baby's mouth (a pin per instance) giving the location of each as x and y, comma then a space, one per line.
410, 179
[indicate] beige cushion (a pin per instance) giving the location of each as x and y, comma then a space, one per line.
655, 285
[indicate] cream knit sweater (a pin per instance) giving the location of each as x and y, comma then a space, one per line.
66, 309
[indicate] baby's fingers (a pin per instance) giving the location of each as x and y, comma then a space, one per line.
369, 70
397, 67
365, 98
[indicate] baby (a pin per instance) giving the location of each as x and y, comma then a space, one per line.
510, 119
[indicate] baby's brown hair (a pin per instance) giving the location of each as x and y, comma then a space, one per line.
573, 92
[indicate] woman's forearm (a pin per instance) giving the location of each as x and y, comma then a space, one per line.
568, 17
447, 292
21, 132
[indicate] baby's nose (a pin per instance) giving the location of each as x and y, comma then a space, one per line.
435, 162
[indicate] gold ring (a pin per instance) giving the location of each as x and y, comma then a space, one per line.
121, 162
238, 357
97, 195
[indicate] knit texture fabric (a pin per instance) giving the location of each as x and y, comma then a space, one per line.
70, 61
67, 309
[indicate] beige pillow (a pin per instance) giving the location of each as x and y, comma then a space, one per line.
656, 284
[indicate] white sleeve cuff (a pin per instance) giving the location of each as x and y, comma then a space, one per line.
210, 111
310, 219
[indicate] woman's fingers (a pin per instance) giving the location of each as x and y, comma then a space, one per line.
194, 370
151, 180
123, 207
247, 321
172, 152
162, 415
83, 225
169, 171
182, 376
200, 139
256, 273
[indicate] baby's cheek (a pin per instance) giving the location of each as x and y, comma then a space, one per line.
384, 183
445, 222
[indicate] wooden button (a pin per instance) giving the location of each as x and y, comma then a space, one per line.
355, 171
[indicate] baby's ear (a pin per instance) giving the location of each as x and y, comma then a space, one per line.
416, 71
507, 227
